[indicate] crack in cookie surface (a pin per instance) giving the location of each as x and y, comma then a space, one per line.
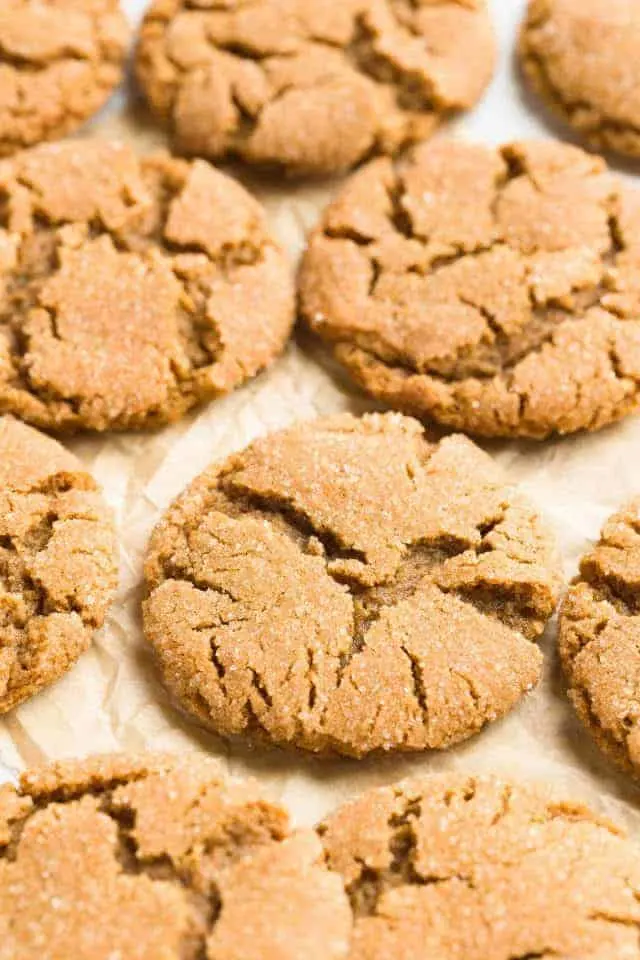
494, 291
347, 586
316, 88
58, 561
532, 875
130, 289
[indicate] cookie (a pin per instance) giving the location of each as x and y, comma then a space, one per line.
58, 561
599, 639
494, 291
581, 58
475, 868
346, 586
59, 62
311, 87
131, 290
159, 858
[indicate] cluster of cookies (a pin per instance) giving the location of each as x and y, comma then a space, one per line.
347, 586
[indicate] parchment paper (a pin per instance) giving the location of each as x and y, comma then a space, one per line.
113, 699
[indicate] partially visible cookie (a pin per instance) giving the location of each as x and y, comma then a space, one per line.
599, 638
494, 291
581, 57
58, 561
346, 586
313, 87
59, 62
159, 858
131, 289
460, 867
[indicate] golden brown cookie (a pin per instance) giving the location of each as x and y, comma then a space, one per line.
581, 57
347, 586
131, 289
58, 561
599, 639
59, 62
495, 291
313, 86
473, 868
159, 858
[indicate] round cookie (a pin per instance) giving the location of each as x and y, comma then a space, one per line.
131, 289
599, 639
346, 586
59, 62
496, 291
160, 858
313, 87
475, 868
58, 561
581, 57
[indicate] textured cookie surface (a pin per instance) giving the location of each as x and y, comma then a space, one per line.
58, 561
478, 869
581, 56
496, 291
316, 87
159, 858
346, 586
130, 289
600, 638
59, 61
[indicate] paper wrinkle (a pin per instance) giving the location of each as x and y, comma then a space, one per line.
113, 699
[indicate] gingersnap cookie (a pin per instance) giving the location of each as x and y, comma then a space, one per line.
58, 561
472, 867
495, 291
599, 639
155, 857
313, 87
59, 62
346, 586
581, 57
131, 289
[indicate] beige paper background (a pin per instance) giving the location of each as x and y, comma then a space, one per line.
113, 699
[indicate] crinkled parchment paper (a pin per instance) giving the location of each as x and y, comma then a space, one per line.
113, 699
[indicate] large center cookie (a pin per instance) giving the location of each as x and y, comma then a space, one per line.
159, 858
347, 586
58, 561
581, 56
462, 868
496, 291
130, 289
59, 61
314, 86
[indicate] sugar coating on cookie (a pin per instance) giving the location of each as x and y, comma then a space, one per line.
472, 867
581, 57
58, 561
347, 586
599, 638
59, 62
155, 857
315, 87
131, 288
496, 291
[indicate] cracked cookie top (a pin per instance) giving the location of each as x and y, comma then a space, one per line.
581, 57
159, 857
347, 586
59, 61
58, 561
599, 638
495, 291
314, 87
130, 289
453, 867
